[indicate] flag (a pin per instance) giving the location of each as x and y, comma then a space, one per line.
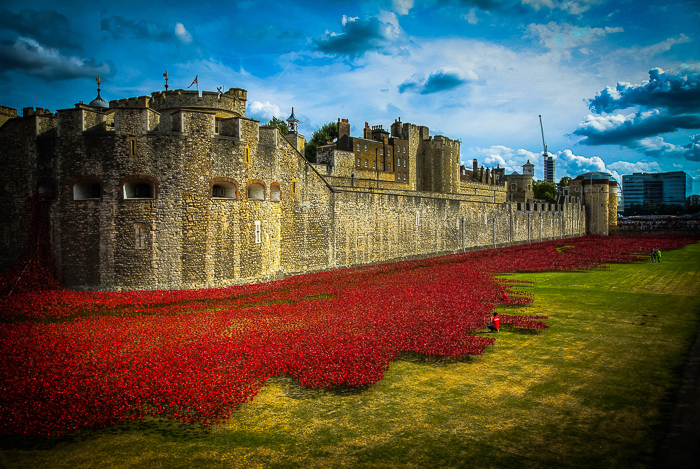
194, 82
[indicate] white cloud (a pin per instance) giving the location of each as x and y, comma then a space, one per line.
565, 36
402, 7
182, 34
471, 16
263, 111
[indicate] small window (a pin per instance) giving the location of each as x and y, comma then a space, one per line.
224, 190
359, 162
256, 192
513, 187
275, 193
381, 152
86, 190
365, 148
139, 189
132, 146
388, 152
258, 229
381, 166
389, 167
294, 186
374, 165
358, 147
366, 163
246, 154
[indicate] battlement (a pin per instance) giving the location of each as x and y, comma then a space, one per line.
30, 111
443, 140
232, 102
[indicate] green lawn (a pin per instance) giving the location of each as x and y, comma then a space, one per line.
596, 389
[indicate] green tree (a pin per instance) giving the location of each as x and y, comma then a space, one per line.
327, 133
546, 191
279, 123
564, 182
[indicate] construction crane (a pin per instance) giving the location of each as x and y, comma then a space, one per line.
543, 142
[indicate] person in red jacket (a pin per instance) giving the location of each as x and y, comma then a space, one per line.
493, 327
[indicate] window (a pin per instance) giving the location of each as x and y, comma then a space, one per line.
513, 187
359, 162
388, 152
139, 189
366, 163
381, 166
275, 193
404, 162
140, 234
381, 152
294, 186
374, 164
365, 148
257, 231
246, 154
404, 149
358, 147
256, 192
132, 147
388, 166
86, 190
224, 190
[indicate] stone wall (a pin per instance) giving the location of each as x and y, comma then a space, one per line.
279, 216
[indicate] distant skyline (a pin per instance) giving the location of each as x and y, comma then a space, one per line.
617, 82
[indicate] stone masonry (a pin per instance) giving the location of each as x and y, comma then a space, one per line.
177, 190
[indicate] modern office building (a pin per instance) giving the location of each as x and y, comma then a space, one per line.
670, 188
549, 168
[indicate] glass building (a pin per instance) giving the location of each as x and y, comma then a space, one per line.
548, 168
670, 188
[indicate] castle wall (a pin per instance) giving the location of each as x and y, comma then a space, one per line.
280, 216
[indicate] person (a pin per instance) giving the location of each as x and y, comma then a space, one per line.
504, 296
658, 256
493, 327
653, 256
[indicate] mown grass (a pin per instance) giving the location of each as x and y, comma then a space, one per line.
596, 389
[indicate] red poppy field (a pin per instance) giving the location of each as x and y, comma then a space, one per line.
80, 360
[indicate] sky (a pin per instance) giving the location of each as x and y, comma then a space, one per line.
617, 82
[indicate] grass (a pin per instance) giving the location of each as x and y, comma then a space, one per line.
596, 389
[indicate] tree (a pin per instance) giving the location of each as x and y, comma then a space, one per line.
546, 191
564, 182
327, 133
279, 123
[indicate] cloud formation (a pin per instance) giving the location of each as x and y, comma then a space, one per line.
442, 80
44, 26
358, 37
667, 103
34, 59
675, 93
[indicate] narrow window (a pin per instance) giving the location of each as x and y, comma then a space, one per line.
257, 231
132, 146
366, 163
359, 162
246, 153
374, 164
294, 186
358, 147
381, 164
389, 167
140, 236
381, 152
365, 148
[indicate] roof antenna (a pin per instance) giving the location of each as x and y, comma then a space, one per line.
543, 142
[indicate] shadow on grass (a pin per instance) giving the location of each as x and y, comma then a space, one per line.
166, 429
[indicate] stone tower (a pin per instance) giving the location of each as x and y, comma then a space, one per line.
599, 193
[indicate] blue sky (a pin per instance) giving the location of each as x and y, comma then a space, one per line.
617, 82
